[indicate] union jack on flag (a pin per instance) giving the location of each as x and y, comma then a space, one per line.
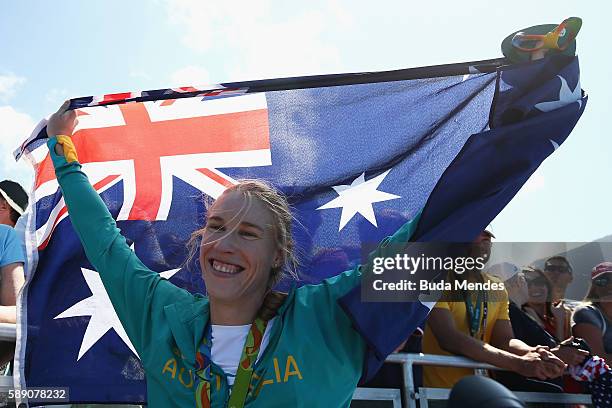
357, 155
145, 145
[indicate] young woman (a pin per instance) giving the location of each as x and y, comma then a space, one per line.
530, 285
592, 320
554, 318
269, 349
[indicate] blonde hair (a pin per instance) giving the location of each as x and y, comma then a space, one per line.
282, 217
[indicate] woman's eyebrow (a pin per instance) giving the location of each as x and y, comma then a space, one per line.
251, 225
216, 218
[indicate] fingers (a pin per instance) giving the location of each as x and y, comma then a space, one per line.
558, 367
545, 354
551, 366
64, 113
69, 114
71, 117
557, 362
571, 355
550, 360
63, 107
577, 356
63, 121
543, 365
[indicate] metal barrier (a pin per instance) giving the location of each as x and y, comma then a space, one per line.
379, 394
423, 394
426, 394
407, 360
8, 332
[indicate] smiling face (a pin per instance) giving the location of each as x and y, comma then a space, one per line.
538, 287
559, 272
481, 246
238, 248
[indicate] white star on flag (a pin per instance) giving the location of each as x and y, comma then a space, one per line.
358, 197
566, 96
100, 308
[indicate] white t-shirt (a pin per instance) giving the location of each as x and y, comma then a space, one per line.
227, 345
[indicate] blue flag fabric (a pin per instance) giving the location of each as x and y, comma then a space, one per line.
486, 174
358, 156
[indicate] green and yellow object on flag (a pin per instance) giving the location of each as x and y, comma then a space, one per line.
520, 46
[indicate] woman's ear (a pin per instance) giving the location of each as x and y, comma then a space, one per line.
277, 259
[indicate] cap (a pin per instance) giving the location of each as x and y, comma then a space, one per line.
504, 270
14, 195
600, 269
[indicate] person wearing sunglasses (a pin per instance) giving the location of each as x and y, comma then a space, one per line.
553, 317
534, 322
592, 320
559, 273
476, 324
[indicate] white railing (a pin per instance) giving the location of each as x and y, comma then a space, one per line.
379, 394
423, 394
408, 361
8, 332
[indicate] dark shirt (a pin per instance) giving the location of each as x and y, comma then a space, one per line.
531, 333
528, 330
591, 314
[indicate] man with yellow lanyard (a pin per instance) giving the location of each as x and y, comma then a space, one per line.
475, 324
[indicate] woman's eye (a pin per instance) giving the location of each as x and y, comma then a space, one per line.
215, 228
249, 234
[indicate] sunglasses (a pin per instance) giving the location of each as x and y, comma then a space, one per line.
535, 281
602, 281
557, 269
558, 39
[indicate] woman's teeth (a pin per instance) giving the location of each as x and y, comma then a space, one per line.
225, 268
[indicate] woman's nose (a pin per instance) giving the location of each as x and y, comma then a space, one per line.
227, 242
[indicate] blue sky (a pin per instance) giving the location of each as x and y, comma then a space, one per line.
51, 51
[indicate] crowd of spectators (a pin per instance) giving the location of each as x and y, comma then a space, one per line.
544, 342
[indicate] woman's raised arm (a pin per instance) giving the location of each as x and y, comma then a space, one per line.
137, 293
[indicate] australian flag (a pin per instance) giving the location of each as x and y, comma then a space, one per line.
358, 155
